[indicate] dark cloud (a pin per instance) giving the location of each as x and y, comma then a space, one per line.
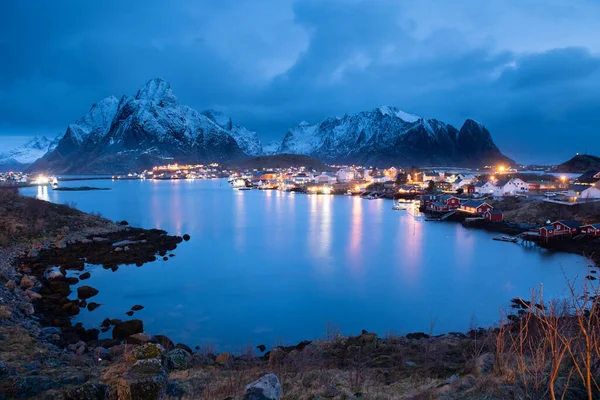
270, 64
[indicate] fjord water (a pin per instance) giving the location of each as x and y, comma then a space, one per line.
273, 267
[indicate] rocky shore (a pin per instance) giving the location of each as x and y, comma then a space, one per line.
44, 356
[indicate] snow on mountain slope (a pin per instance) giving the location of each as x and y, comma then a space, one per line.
271, 147
387, 135
140, 132
21, 156
246, 139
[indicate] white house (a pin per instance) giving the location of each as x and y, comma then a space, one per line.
303, 177
326, 178
346, 175
486, 188
381, 179
592, 192
510, 187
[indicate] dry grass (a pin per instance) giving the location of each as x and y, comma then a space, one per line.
538, 212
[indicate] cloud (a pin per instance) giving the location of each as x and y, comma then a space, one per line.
529, 71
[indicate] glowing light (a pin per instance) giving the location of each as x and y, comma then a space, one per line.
41, 180
563, 178
502, 168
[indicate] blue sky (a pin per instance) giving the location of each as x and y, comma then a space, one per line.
529, 70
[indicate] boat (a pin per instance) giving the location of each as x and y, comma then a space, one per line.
348, 193
396, 205
510, 239
245, 188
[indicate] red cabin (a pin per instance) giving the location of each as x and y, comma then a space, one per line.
493, 215
547, 231
566, 227
591, 230
476, 207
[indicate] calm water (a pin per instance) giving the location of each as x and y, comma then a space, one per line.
268, 267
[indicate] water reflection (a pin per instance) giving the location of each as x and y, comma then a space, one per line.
354, 248
42, 193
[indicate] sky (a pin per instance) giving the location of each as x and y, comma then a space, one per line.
529, 70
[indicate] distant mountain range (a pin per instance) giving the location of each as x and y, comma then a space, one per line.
150, 128
20, 157
388, 136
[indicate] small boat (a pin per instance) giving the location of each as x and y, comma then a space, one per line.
245, 188
348, 193
396, 205
510, 239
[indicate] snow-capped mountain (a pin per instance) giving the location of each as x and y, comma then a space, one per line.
271, 147
20, 157
246, 139
139, 132
390, 136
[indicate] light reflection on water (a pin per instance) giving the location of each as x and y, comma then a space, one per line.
264, 266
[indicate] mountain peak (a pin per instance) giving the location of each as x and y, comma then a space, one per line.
219, 118
394, 112
157, 91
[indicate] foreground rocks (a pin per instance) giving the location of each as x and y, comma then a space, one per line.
265, 388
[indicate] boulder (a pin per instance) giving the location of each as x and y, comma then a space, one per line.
137, 307
200, 360
179, 359
85, 292
225, 359
138, 338
261, 348
186, 237
417, 336
92, 306
72, 280
165, 342
266, 388
11, 285
184, 347
27, 282
125, 329
85, 275
130, 313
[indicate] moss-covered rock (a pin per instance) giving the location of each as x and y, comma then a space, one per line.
88, 391
149, 350
178, 359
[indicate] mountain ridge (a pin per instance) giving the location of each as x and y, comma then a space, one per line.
152, 127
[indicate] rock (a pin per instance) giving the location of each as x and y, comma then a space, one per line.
106, 322
130, 313
85, 275
118, 249
125, 329
123, 223
266, 388
33, 295
484, 363
225, 359
99, 239
85, 292
87, 391
179, 359
26, 307
137, 307
186, 237
165, 258
200, 360
27, 282
165, 342
92, 306
276, 356
11, 285
147, 351
101, 353
184, 347
261, 347
138, 338
72, 280
417, 336
51, 330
